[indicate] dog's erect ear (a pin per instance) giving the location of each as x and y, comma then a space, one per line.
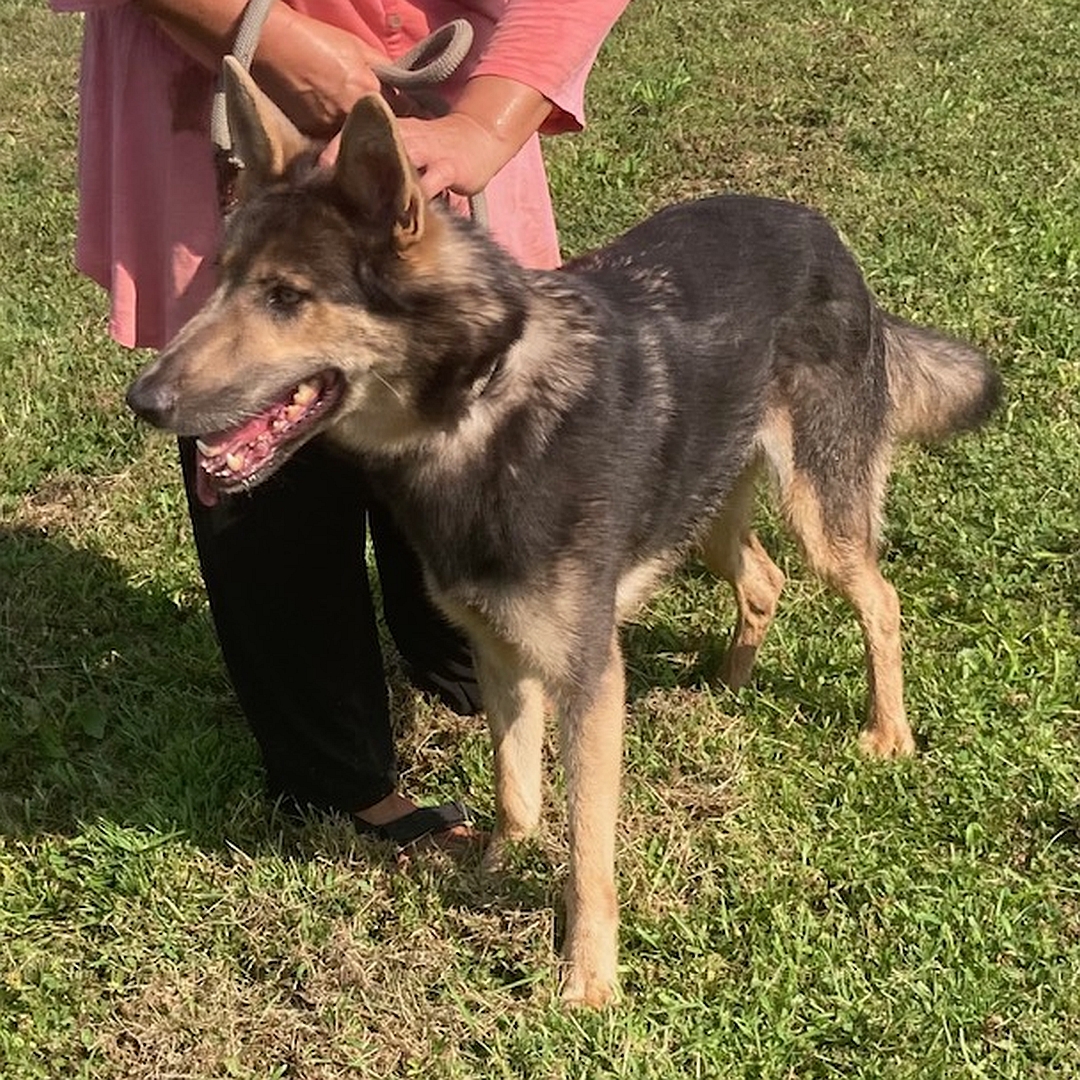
263, 137
375, 174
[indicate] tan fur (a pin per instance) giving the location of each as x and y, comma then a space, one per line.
591, 750
732, 551
592, 756
640, 583
936, 386
844, 555
533, 617
523, 659
515, 705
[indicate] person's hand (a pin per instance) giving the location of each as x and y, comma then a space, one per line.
313, 71
316, 73
489, 124
462, 151
453, 153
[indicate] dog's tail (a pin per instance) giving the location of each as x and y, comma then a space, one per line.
939, 385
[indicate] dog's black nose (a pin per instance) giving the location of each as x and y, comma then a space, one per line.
151, 399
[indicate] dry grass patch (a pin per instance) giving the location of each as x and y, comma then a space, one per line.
348, 1007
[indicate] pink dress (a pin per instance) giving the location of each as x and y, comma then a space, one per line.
148, 216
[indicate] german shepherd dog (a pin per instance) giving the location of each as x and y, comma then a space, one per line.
553, 442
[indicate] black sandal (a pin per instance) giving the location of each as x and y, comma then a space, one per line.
423, 823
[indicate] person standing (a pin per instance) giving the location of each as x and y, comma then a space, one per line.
284, 566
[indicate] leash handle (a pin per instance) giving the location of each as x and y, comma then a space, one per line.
432, 60
426, 64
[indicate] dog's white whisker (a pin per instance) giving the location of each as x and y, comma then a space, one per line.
389, 386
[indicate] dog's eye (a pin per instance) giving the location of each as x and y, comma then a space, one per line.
283, 299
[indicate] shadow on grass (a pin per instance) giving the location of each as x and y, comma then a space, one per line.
115, 707
113, 702
664, 653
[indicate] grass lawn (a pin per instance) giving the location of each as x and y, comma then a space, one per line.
789, 910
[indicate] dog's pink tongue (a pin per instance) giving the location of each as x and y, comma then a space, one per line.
215, 449
229, 458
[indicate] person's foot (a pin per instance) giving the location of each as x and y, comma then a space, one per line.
394, 806
399, 820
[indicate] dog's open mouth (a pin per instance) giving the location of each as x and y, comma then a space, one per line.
241, 457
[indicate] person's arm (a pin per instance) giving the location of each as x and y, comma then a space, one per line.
551, 47
488, 125
532, 76
315, 72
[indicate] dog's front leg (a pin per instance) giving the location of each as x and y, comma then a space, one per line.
514, 701
592, 757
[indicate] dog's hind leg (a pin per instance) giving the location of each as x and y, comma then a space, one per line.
732, 551
514, 702
591, 732
840, 543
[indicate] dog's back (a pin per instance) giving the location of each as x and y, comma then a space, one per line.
716, 335
738, 308
761, 297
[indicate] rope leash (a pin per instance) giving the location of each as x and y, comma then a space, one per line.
427, 64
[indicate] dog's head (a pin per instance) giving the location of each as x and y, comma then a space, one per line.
342, 294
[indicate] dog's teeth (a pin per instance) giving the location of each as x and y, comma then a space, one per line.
305, 394
206, 449
294, 412
235, 462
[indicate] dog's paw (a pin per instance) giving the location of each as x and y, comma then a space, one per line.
494, 855
585, 990
498, 851
887, 742
737, 665
591, 959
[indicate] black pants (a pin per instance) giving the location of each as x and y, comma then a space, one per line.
288, 586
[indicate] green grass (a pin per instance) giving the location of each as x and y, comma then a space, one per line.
789, 910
